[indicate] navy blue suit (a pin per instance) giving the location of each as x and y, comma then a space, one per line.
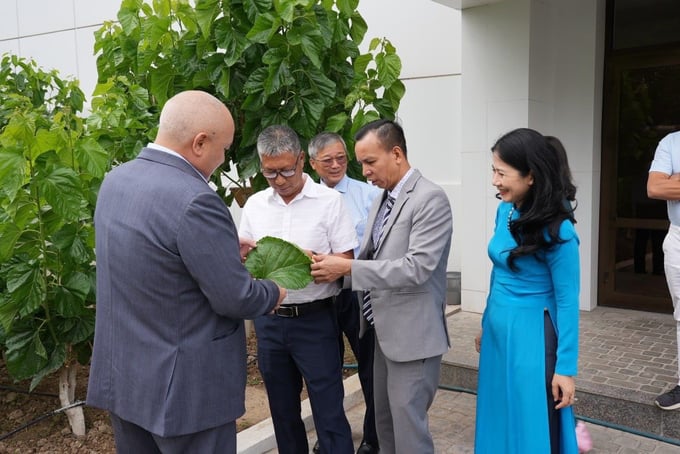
169, 350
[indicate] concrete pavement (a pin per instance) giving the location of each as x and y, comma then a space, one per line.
452, 415
453, 428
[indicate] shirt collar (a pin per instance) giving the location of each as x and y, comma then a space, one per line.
394, 193
342, 185
309, 189
167, 150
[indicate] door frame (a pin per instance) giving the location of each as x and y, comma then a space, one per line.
609, 222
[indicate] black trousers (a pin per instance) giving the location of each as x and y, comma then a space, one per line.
550, 360
348, 312
290, 350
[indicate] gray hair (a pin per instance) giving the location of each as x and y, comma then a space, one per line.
322, 140
276, 140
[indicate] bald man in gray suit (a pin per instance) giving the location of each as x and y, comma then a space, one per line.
400, 274
169, 356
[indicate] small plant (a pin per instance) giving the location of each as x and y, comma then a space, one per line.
50, 171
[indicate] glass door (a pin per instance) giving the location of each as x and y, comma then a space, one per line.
641, 106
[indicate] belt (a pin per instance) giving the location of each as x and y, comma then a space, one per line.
296, 310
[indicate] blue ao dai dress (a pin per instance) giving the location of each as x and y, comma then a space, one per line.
511, 400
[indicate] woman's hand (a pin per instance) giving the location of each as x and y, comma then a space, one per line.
563, 390
478, 342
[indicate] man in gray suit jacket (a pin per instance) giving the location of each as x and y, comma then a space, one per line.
401, 275
169, 357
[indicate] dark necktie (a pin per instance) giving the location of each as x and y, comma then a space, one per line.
366, 308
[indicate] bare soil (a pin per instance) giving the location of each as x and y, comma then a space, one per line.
52, 434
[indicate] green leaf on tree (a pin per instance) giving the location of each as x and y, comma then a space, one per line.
281, 261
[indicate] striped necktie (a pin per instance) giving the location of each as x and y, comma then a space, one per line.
389, 203
366, 308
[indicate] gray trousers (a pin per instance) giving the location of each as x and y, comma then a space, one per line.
132, 439
403, 393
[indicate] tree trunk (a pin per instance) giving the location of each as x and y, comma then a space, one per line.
241, 194
67, 391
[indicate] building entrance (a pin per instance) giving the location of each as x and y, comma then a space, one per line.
641, 105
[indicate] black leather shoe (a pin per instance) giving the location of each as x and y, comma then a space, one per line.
316, 449
366, 448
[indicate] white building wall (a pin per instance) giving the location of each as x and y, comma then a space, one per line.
495, 95
568, 38
57, 34
538, 64
427, 38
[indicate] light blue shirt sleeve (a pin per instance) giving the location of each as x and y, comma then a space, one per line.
667, 160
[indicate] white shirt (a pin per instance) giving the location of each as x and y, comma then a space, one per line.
316, 219
394, 193
167, 150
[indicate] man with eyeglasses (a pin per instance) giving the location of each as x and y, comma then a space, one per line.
299, 341
328, 157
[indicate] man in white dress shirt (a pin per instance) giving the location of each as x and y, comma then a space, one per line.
300, 339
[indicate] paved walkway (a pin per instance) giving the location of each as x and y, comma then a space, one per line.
452, 422
629, 351
619, 350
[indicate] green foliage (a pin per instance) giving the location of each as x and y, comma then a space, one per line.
50, 170
281, 261
294, 62
122, 120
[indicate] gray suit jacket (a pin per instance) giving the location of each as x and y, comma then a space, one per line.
169, 351
407, 273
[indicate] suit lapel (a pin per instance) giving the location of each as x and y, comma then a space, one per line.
403, 197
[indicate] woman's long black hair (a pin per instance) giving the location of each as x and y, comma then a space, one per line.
549, 199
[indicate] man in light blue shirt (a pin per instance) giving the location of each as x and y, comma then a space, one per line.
663, 183
328, 157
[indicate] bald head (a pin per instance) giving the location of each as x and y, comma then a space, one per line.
199, 127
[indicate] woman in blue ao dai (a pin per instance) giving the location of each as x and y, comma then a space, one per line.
529, 339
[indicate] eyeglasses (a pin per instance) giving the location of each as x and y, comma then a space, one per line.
327, 162
285, 173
